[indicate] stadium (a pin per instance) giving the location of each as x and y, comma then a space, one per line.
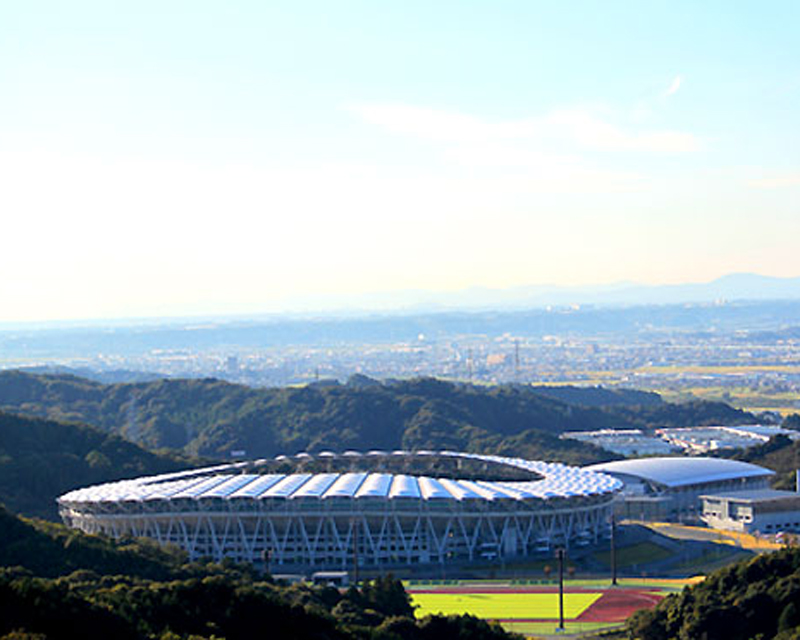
376, 509
670, 488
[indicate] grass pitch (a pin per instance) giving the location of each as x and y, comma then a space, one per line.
504, 606
642, 553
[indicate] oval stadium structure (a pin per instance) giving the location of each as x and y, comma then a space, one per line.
329, 510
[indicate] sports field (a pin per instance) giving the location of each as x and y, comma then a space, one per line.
505, 606
589, 605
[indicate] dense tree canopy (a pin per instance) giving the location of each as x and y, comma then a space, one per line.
757, 598
210, 417
66, 584
41, 459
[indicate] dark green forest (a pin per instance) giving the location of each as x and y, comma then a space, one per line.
211, 418
751, 600
57, 583
41, 459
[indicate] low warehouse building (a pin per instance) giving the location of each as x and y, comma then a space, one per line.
764, 511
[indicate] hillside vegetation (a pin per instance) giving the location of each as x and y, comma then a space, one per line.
755, 599
56, 583
780, 453
41, 459
212, 418
49, 550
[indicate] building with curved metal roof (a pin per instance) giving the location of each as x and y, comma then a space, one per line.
383, 508
670, 488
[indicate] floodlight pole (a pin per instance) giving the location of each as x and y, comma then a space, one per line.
560, 553
355, 552
267, 557
613, 551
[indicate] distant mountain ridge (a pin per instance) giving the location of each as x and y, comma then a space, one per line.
730, 287
331, 308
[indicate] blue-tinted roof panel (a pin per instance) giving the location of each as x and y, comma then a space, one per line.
285, 487
228, 487
201, 487
404, 487
432, 489
257, 486
346, 485
376, 485
316, 486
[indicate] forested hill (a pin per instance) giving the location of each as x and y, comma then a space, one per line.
596, 396
213, 418
781, 454
758, 598
49, 550
58, 583
41, 459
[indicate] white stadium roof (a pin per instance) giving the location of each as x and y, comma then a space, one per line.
231, 482
682, 471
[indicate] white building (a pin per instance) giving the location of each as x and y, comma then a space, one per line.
699, 440
764, 511
625, 442
669, 489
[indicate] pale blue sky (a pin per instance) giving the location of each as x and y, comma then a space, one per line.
208, 157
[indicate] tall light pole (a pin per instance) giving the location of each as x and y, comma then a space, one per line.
355, 552
560, 553
613, 551
266, 555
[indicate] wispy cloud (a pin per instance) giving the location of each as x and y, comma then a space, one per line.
593, 132
674, 86
580, 127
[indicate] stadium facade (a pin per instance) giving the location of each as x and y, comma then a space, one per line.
330, 510
670, 488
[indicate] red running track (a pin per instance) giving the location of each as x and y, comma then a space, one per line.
614, 605
619, 605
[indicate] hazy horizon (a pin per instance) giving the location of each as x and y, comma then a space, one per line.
729, 288
192, 158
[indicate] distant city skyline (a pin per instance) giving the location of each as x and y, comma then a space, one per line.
183, 158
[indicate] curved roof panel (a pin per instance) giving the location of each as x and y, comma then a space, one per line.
287, 485
404, 487
432, 489
234, 483
346, 485
682, 471
257, 486
316, 486
376, 485
230, 482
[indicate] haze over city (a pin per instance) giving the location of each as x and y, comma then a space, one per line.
194, 158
